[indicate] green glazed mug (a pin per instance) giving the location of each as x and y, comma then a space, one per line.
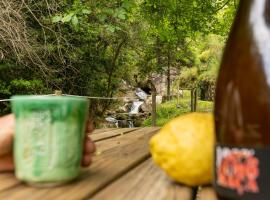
49, 137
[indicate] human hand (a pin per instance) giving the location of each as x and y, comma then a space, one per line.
89, 145
7, 129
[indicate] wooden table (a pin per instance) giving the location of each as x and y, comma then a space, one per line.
122, 170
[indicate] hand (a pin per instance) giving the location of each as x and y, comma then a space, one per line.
7, 128
89, 145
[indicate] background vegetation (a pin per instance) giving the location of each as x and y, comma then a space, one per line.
86, 47
177, 107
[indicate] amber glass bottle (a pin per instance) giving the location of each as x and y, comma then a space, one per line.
242, 107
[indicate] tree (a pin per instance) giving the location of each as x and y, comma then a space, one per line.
89, 47
173, 24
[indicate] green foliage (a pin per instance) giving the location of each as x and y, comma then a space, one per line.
24, 87
205, 56
188, 77
173, 108
20, 87
89, 47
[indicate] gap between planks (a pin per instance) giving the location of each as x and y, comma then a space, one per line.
102, 130
109, 134
206, 193
146, 181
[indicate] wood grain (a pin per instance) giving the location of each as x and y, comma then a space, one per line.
7, 180
206, 193
120, 154
102, 130
121, 140
111, 133
145, 182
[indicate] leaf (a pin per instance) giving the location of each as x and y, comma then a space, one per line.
118, 28
56, 19
195, 4
121, 16
75, 20
111, 28
102, 17
120, 13
108, 11
86, 11
127, 4
67, 18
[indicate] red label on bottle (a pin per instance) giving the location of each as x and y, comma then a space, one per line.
242, 173
237, 169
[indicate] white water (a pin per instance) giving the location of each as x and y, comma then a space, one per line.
135, 107
141, 94
134, 110
112, 120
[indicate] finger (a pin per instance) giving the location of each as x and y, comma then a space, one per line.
6, 140
7, 127
8, 120
6, 163
89, 146
87, 160
90, 127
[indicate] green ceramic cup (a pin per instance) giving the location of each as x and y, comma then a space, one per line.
49, 138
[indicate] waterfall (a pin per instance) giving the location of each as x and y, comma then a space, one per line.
135, 107
141, 94
112, 120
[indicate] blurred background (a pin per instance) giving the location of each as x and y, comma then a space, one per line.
129, 49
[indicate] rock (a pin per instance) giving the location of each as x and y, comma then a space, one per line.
141, 94
122, 117
158, 99
124, 109
145, 107
137, 122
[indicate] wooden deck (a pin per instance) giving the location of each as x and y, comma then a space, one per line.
122, 170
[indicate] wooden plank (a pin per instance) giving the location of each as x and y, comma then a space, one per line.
102, 130
146, 182
112, 133
122, 140
206, 193
126, 152
7, 180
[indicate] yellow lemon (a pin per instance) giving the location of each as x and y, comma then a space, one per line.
184, 148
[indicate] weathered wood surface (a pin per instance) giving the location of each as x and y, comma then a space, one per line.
110, 133
122, 169
145, 181
206, 193
119, 155
103, 130
7, 180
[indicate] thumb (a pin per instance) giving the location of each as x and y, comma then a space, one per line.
6, 163
7, 126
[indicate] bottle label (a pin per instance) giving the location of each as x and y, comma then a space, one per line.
242, 173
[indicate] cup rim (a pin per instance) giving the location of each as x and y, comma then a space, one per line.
47, 98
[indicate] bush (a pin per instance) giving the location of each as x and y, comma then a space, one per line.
19, 87
173, 108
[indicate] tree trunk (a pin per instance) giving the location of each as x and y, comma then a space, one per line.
191, 100
110, 74
195, 100
158, 54
169, 75
154, 105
